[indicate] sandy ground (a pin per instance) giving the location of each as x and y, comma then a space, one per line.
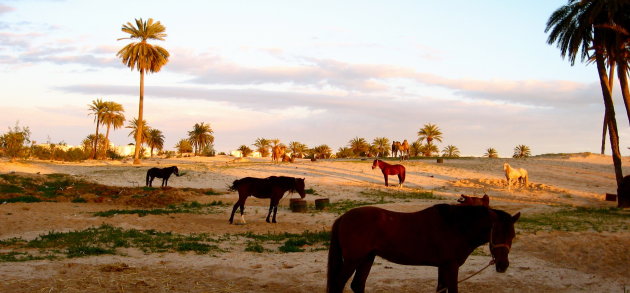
540, 262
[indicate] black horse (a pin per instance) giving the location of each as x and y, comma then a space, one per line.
272, 187
163, 173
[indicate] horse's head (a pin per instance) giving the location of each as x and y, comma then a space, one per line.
299, 187
374, 164
175, 170
501, 236
506, 166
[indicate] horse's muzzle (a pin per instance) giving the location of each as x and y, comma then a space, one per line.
502, 266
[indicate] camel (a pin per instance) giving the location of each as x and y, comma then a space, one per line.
277, 152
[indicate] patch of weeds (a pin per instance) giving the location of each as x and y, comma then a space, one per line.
185, 208
105, 240
416, 194
310, 191
147, 188
25, 198
22, 256
293, 245
254, 246
342, 206
10, 188
78, 200
577, 220
211, 192
480, 251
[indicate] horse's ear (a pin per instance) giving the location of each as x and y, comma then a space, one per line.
515, 217
485, 196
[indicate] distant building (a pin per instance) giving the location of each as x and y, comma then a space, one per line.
239, 154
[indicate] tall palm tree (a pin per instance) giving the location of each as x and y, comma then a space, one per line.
381, 144
262, 146
322, 152
297, 149
522, 151
491, 153
200, 136
430, 132
113, 117
580, 26
155, 139
450, 151
98, 109
144, 57
359, 146
135, 127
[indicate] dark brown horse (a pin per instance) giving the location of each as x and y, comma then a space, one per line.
466, 200
163, 173
273, 187
442, 236
388, 169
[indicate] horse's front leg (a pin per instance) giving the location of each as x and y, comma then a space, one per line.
385, 176
447, 278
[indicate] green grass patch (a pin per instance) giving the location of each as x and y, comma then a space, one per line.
415, 194
310, 191
290, 242
104, 239
10, 188
25, 198
185, 208
577, 220
78, 200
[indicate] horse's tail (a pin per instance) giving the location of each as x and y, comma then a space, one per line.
147, 180
335, 260
402, 175
235, 184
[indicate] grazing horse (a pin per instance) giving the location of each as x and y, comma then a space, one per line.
474, 201
442, 236
163, 173
388, 169
520, 175
272, 187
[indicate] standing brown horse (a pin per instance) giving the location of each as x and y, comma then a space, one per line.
442, 236
273, 187
388, 169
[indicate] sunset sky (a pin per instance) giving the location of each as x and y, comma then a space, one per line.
317, 72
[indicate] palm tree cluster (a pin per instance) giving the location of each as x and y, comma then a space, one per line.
109, 114
201, 137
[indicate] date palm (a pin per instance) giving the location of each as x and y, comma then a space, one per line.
297, 149
322, 152
430, 132
245, 150
381, 145
144, 130
98, 109
450, 151
491, 153
262, 146
200, 136
144, 57
155, 139
521, 151
415, 149
359, 146
183, 146
582, 26
113, 117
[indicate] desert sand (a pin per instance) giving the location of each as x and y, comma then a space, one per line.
540, 262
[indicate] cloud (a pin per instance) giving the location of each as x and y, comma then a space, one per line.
5, 9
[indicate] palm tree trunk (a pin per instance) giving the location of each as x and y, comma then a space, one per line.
605, 124
107, 138
610, 111
136, 155
98, 122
